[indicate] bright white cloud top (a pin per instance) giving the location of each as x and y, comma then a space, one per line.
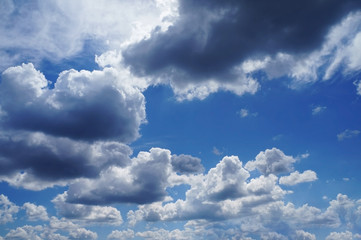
183, 119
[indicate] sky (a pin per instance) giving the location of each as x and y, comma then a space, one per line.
166, 119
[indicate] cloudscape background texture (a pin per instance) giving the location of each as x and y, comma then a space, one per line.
166, 119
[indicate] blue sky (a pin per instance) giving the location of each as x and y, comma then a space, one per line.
184, 119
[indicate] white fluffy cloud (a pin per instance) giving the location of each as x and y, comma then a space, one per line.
271, 161
85, 213
34, 212
340, 236
222, 193
121, 235
7, 209
302, 235
82, 233
296, 178
59, 29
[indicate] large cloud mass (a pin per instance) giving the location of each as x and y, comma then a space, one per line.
82, 105
73, 129
217, 45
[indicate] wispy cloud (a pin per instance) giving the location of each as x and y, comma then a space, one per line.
318, 109
347, 134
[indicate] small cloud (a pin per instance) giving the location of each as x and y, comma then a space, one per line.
358, 86
346, 179
216, 151
324, 197
303, 156
296, 178
243, 113
277, 137
347, 134
318, 109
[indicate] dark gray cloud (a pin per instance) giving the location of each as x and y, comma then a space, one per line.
211, 37
83, 105
186, 164
50, 158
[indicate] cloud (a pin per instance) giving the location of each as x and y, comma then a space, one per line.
347, 134
36, 161
34, 212
243, 112
186, 164
296, 178
271, 161
82, 233
121, 235
273, 236
23, 233
144, 181
216, 151
85, 213
57, 30
206, 46
340, 235
82, 105
223, 193
318, 109
302, 235
358, 86
7, 209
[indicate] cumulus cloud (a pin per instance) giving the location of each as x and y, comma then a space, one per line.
25, 232
82, 233
255, 204
144, 181
121, 235
273, 236
271, 161
7, 209
77, 128
82, 105
85, 213
223, 193
347, 134
340, 235
34, 212
302, 235
296, 178
186, 164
